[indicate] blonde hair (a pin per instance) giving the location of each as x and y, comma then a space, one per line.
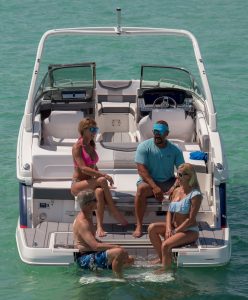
85, 124
189, 169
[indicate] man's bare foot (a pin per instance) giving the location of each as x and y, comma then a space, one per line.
137, 233
100, 232
155, 261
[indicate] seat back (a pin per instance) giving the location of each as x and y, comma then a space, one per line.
61, 125
181, 126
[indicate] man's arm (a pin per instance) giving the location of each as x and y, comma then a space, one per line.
90, 240
144, 174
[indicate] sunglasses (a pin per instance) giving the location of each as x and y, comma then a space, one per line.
93, 129
157, 132
181, 174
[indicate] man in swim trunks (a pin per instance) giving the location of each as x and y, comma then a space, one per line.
155, 159
94, 254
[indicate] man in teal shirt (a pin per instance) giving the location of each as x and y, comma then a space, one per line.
155, 159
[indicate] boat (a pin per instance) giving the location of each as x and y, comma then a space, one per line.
61, 94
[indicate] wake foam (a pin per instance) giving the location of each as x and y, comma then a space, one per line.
140, 277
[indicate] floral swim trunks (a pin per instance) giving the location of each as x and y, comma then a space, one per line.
93, 260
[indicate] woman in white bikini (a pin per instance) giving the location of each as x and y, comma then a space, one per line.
87, 176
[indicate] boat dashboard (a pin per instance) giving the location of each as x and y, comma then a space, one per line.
149, 99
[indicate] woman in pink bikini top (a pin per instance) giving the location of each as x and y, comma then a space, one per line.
88, 160
87, 176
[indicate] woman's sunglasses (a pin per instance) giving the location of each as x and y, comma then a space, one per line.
181, 174
93, 129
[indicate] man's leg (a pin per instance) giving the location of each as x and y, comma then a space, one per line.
143, 191
117, 257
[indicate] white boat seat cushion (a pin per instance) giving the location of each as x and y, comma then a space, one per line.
181, 126
61, 127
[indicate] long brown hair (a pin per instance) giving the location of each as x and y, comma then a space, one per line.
85, 124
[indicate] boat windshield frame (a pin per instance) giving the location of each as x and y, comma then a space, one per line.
159, 76
68, 77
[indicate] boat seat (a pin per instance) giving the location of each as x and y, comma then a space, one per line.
116, 96
181, 126
61, 128
118, 137
116, 107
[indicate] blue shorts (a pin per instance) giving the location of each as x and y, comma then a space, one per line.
164, 185
93, 260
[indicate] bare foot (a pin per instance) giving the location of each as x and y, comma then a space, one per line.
100, 232
155, 261
160, 271
137, 233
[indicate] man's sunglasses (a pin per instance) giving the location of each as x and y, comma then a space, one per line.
93, 129
157, 132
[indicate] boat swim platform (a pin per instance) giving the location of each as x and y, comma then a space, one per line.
59, 236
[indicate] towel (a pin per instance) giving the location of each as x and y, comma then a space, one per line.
199, 155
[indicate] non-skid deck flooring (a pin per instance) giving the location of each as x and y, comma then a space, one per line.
39, 237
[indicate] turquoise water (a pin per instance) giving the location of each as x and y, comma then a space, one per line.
221, 29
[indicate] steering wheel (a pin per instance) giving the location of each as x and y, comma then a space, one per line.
165, 102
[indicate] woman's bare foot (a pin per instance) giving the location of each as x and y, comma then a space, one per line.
160, 271
137, 233
100, 232
164, 270
155, 261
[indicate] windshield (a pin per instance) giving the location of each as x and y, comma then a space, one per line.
164, 76
64, 77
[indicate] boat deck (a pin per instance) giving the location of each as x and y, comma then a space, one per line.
40, 237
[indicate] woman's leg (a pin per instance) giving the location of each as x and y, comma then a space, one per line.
179, 239
79, 186
100, 182
100, 212
92, 184
103, 183
155, 231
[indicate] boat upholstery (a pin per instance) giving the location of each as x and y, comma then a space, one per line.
117, 96
181, 125
61, 127
202, 132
